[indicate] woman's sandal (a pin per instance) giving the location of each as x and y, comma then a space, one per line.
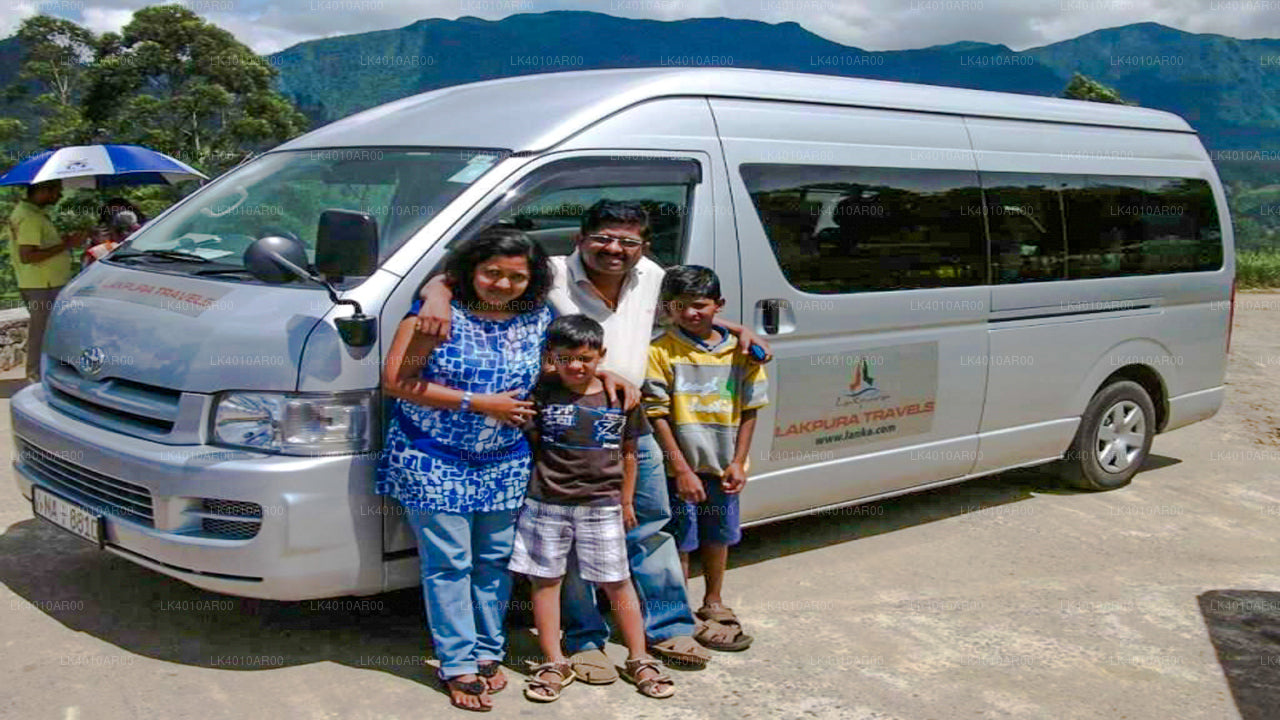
477, 687
544, 690
657, 686
489, 670
728, 637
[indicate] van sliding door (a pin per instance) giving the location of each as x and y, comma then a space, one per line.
864, 264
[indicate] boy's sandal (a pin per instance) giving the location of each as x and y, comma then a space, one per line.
723, 630
543, 689
681, 650
488, 670
658, 686
477, 687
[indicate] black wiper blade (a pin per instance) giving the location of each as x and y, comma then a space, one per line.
223, 271
161, 254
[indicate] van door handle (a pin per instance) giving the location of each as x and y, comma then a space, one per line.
769, 312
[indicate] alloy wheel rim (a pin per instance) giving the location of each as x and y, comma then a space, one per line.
1121, 435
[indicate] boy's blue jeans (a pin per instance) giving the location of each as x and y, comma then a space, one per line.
655, 568
465, 583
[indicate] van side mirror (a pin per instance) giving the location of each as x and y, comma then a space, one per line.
346, 244
275, 259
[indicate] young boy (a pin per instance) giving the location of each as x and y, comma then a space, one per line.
702, 399
581, 497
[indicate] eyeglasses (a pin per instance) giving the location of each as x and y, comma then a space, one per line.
625, 243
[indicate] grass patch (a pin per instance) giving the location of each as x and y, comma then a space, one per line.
1258, 268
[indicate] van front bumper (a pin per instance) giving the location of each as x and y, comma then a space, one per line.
320, 529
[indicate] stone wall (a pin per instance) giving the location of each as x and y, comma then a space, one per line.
13, 338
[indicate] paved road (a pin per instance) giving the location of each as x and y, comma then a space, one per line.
1000, 598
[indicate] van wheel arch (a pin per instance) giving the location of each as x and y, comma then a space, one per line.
1151, 381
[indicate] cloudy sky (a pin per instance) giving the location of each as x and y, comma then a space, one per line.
270, 25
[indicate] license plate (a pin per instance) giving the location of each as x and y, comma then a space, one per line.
67, 515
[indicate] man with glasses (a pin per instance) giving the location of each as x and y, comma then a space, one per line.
609, 279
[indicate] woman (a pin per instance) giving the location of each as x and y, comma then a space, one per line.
455, 456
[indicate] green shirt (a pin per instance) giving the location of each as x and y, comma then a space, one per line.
29, 225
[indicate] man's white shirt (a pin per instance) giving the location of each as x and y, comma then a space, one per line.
628, 327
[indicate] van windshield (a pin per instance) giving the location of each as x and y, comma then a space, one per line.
284, 193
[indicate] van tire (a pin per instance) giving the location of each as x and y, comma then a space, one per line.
1099, 458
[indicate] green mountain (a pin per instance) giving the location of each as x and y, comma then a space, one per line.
1229, 89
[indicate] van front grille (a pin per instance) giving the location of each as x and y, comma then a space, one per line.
152, 409
105, 494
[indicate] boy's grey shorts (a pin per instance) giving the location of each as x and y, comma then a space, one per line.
546, 532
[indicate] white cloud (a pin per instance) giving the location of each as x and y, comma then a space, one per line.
104, 19
11, 19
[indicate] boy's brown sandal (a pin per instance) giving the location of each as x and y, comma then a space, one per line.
657, 686
547, 680
723, 630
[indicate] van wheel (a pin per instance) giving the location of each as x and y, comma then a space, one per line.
1113, 439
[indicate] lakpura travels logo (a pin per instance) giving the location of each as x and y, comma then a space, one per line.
862, 385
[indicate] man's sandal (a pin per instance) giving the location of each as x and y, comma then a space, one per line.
488, 670
657, 686
477, 688
681, 651
593, 667
544, 689
722, 631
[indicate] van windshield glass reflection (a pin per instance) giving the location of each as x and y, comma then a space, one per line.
284, 193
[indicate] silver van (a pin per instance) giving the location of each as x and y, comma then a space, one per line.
954, 283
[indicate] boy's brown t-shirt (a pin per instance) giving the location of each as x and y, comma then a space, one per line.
578, 460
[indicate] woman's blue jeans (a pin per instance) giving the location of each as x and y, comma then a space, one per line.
465, 583
655, 568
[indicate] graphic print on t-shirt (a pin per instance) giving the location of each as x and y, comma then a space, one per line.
581, 427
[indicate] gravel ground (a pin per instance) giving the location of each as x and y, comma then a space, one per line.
1004, 597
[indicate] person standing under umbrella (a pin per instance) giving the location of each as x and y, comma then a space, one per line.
41, 261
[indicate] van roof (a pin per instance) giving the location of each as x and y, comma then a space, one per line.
535, 112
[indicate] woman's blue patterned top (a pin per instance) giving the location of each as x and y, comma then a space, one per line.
464, 462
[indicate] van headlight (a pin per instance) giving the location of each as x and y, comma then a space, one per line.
295, 424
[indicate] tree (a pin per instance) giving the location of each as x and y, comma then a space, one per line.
56, 54
176, 83
10, 131
1082, 87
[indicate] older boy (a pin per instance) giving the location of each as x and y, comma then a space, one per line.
702, 400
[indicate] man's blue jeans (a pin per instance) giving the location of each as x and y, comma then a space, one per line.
655, 568
465, 584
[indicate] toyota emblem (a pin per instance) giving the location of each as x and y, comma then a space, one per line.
91, 360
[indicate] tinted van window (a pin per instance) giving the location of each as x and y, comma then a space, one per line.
1142, 226
851, 229
1060, 227
1026, 216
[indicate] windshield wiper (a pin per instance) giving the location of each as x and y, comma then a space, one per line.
223, 271
176, 255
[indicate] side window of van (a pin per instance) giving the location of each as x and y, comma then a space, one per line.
1026, 216
554, 217
838, 229
550, 201
1142, 226
1065, 227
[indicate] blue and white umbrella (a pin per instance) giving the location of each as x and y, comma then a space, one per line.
97, 166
